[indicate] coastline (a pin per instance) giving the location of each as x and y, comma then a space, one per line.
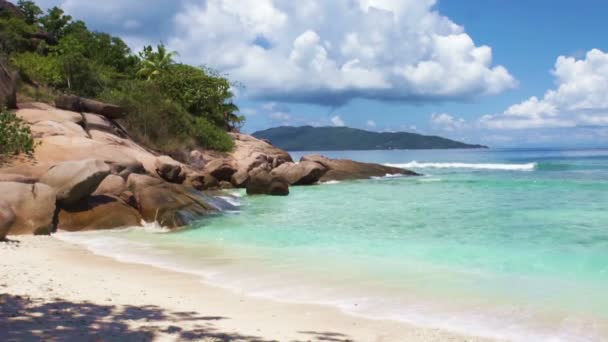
90, 296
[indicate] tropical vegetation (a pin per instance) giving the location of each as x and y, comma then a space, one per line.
170, 105
15, 135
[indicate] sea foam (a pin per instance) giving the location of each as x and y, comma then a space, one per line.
473, 166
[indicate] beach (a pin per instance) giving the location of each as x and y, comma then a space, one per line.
51, 289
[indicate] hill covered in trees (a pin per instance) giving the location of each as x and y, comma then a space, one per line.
169, 105
309, 138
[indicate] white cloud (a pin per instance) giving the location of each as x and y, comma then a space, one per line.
329, 52
337, 121
371, 124
580, 98
447, 122
279, 116
277, 112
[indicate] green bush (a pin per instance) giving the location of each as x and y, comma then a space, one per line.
211, 136
161, 123
151, 118
15, 135
42, 69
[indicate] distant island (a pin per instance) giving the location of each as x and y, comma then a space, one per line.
308, 138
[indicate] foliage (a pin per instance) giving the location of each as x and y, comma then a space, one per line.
43, 69
15, 135
157, 121
155, 63
201, 94
169, 105
56, 22
30, 10
211, 136
14, 33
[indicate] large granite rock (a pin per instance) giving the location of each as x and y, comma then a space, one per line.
11, 9
136, 182
98, 213
170, 170
201, 181
111, 185
80, 104
17, 178
7, 218
99, 123
34, 113
250, 153
221, 169
74, 181
342, 169
33, 206
110, 111
262, 182
302, 173
170, 205
125, 169
51, 128
8, 87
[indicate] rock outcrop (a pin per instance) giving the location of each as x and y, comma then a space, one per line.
221, 169
86, 174
262, 182
342, 169
170, 170
111, 185
75, 181
81, 104
17, 178
39, 112
170, 205
98, 213
8, 87
7, 218
33, 206
11, 9
302, 173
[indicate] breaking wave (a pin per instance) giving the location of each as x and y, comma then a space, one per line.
474, 166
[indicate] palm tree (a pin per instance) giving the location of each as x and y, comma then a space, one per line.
154, 63
232, 121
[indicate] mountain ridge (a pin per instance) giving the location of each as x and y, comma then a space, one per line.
328, 138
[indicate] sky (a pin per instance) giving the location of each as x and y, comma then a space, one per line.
506, 73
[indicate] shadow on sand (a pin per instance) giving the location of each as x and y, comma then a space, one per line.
28, 319
31, 319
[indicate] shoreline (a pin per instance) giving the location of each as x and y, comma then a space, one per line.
97, 296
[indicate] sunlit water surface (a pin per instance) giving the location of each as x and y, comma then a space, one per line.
499, 243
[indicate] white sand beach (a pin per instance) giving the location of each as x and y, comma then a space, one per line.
53, 290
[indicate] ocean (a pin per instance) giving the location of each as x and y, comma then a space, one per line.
506, 244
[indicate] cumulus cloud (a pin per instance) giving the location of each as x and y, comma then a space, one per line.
580, 98
337, 121
312, 51
447, 122
329, 52
371, 124
277, 112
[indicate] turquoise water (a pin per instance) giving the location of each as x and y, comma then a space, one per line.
499, 243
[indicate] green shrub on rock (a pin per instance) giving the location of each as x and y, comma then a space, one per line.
15, 135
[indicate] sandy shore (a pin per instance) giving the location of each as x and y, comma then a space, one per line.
52, 290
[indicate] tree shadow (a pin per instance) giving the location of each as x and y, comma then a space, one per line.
31, 319
327, 336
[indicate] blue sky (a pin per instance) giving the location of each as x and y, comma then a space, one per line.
499, 72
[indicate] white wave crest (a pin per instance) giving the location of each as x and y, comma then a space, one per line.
474, 166
231, 200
